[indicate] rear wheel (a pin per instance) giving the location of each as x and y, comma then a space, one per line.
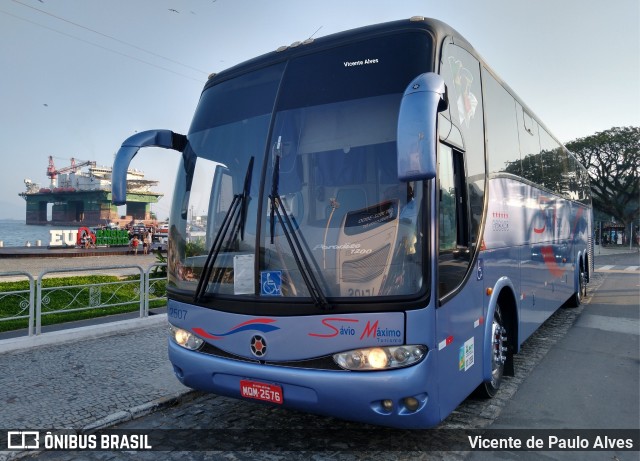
498, 356
579, 295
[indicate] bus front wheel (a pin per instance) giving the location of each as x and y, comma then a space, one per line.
498, 356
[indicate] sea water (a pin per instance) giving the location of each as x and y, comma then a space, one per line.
15, 233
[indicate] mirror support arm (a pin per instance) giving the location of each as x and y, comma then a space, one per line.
153, 138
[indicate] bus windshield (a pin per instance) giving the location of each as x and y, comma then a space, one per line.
295, 192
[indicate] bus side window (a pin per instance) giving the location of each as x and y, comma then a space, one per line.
461, 72
529, 146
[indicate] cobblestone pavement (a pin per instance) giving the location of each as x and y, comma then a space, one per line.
86, 382
242, 430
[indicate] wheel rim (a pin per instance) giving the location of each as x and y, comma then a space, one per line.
498, 358
582, 288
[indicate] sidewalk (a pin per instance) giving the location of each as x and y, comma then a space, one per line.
35, 266
87, 377
70, 379
599, 250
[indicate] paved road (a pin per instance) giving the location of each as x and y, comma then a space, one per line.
617, 260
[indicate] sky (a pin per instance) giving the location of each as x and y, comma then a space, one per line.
78, 77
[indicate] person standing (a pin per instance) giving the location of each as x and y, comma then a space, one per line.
134, 244
146, 244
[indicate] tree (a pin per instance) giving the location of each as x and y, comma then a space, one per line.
612, 158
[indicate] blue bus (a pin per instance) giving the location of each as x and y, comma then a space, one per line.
381, 222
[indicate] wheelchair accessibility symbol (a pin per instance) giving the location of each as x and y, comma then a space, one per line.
271, 283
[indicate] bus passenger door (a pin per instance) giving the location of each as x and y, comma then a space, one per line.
459, 315
462, 182
454, 252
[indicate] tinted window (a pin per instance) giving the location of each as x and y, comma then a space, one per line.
238, 99
529, 146
375, 67
584, 185
461, 72
554, 161
573, 178
502, 128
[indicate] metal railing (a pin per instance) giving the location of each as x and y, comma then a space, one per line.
129, 285
19, 303
155, 287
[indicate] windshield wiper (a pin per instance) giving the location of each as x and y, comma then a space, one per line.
278, 210
236, 214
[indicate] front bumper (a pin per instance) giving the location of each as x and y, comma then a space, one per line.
355, 396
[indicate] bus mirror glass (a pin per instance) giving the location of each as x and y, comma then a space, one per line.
421, 102
152, 138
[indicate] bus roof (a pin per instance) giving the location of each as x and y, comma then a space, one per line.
437, 28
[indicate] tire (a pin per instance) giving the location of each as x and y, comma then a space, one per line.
498, 357
578, 296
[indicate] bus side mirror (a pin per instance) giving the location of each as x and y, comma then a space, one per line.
152, 138
423, 99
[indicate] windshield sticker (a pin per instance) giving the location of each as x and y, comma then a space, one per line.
370, 218
243, 281
465, 355
271, 283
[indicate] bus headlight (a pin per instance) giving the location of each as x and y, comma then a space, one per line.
380, 358
184, 338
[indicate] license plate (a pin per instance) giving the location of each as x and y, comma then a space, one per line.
261, 391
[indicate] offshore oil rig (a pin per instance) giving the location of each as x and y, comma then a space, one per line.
76, 197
